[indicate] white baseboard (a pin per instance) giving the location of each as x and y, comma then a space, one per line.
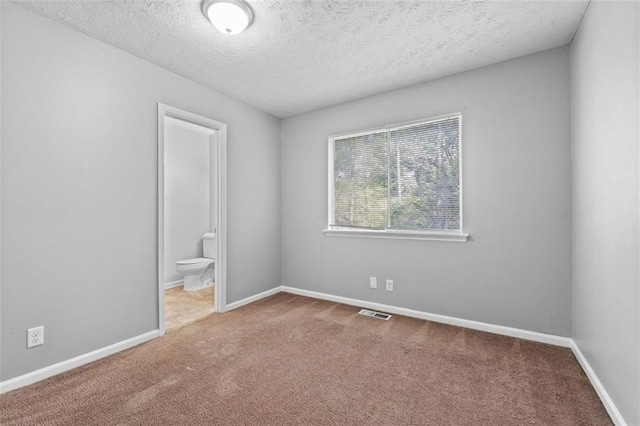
474, 325
567, 342
254, 298
597, 385
61, 367
173, 284
551, 339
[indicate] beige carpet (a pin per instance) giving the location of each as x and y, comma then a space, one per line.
290, 360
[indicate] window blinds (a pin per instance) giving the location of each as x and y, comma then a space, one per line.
399, 178
360, 181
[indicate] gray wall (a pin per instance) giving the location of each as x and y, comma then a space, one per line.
187, 175
516, 269
79, 190
604, 71
1, 297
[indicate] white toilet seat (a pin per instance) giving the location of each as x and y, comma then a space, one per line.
188, 265
194, 260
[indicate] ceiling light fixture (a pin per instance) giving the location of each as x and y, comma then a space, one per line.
228, 16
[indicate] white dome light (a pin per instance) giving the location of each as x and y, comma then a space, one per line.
228, 16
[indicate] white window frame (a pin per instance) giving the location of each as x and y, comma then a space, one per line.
334, 231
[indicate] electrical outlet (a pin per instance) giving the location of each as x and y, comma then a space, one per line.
35, 336
373, 282
389, 285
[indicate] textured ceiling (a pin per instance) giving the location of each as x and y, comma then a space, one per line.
299, 56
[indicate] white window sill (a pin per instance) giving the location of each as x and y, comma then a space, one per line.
453, 236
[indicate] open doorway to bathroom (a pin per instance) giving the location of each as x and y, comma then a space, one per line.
191, 217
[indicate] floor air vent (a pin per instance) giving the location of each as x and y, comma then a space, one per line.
374, 314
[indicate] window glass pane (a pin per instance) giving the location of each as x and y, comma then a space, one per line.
360, 181
424, 176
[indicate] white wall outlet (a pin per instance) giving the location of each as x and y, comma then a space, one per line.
35, 336
373, 282
389, 285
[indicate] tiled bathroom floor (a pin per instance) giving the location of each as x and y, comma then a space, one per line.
182, 307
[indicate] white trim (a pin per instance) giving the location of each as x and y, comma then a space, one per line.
597, 385
331, 180
474, 325
61, 367
396, 126
566, 342
173, 284
220, 299
160, 218
219, 142
638, 159
459, 237
254, 298
460, 170
1, 196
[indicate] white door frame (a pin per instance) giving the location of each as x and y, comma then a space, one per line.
220, 270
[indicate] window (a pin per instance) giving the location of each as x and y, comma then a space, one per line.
399, 181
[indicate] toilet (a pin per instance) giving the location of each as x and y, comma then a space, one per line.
198, 272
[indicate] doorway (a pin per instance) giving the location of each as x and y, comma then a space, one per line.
191, 214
